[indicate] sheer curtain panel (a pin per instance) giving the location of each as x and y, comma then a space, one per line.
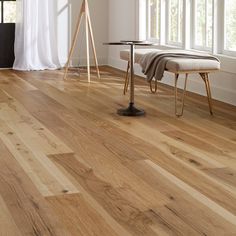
36, 35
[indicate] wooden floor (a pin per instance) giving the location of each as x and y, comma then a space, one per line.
70, 166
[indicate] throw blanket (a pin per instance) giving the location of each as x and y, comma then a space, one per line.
154, 63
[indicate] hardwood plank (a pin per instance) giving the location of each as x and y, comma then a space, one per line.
79, 217
102, 121
136, 129
227, 175
29, 129
119, 121
88, 148
41, 171
29, 210
91, 199
184, 219
187, 127
179, 197
123, 211
7, 224
227, 215
198, 143
153, 175
3, 96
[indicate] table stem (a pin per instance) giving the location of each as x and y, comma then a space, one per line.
132, 74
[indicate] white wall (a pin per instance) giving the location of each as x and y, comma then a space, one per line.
68, 11
122, 19
123, 23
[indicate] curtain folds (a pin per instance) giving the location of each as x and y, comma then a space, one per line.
36, 35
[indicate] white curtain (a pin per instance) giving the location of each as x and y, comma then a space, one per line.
35, 38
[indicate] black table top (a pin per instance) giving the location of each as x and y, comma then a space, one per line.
131, 42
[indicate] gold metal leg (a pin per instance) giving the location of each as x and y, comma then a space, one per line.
183, 96
151, 87
205, 77
126, 85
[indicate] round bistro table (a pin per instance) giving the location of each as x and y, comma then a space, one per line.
131, 110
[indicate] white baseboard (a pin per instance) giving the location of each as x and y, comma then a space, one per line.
195, 85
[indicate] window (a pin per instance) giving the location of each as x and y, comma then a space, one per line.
207, 25
230, 25
203, 23
7, 32
175, 22
154, 16
7, 11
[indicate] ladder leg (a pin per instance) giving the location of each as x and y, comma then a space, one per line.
82, 11
87, 43
92, 42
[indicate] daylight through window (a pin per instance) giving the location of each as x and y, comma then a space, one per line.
208, 25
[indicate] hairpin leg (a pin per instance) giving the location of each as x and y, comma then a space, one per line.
151, 87
126, 85
183, 95
205, 78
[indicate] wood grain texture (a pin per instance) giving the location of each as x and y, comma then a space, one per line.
71, 166
29, 210
78, 216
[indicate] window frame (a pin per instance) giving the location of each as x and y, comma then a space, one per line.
188, 30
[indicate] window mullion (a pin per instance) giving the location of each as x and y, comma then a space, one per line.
178, 22
2, 18
220, 25
193, 24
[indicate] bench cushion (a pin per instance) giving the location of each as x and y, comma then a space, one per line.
176, 65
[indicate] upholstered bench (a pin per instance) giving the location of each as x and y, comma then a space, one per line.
178, 66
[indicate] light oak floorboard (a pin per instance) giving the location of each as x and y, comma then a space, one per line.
71, 166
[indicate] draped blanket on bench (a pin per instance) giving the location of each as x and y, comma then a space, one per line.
154, 63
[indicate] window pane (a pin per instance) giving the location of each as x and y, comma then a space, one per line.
175, 21
9, 8
200, 23
209, 23
204, 23
154, 18
230, 25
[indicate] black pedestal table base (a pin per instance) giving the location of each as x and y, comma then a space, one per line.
130, 111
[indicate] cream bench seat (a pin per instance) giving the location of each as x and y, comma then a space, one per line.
178, 66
